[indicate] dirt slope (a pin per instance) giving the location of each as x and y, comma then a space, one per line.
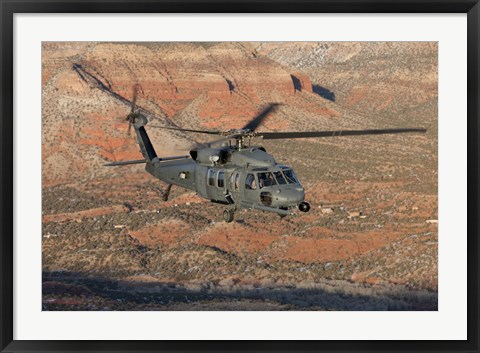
109, 242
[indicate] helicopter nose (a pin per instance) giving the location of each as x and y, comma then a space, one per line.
288, 197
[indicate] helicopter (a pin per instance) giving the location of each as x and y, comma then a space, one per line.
237, 175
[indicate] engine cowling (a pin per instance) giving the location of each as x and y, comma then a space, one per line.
210, 155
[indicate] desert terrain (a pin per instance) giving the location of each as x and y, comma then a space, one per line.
370, 241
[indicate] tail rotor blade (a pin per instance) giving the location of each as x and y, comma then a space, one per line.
134, 97
131, 115
129, 131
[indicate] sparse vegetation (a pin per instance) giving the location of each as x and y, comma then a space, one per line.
366, 243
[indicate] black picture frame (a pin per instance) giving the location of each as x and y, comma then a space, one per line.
9, 7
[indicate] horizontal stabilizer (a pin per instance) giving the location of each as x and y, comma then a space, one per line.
113, 164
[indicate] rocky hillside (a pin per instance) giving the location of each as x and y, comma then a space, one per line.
222, 85
392, 79
369, 242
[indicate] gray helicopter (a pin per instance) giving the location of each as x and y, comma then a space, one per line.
236, 174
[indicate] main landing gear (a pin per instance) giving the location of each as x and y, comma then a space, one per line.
228, 215
166, 193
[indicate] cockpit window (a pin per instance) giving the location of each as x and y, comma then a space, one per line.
290, 176
250, 182
266, 180
280, 179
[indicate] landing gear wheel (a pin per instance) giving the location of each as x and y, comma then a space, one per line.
282, 216
228, 216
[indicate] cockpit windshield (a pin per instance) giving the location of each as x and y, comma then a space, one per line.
266, 180
280, 179
290, 176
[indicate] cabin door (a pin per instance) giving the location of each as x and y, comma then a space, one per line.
234, 186
201, 180
250, 188
220, 185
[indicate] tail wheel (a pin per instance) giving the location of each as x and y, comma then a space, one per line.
228, 216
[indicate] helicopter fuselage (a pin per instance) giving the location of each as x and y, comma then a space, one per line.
246, 178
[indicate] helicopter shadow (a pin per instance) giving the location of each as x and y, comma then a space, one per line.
64, 290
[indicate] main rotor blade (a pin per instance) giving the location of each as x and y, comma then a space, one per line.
187, 130
255, 122
293, 135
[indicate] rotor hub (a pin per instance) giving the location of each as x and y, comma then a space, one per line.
237, 132
137, 119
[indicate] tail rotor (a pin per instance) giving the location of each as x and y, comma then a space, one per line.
133, 113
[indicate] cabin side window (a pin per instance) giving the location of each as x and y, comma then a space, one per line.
250, 183
232, 181
237, 181
221, 179
211, 177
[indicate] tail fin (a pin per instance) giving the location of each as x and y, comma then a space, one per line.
139, 121
145, 144
146, 147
